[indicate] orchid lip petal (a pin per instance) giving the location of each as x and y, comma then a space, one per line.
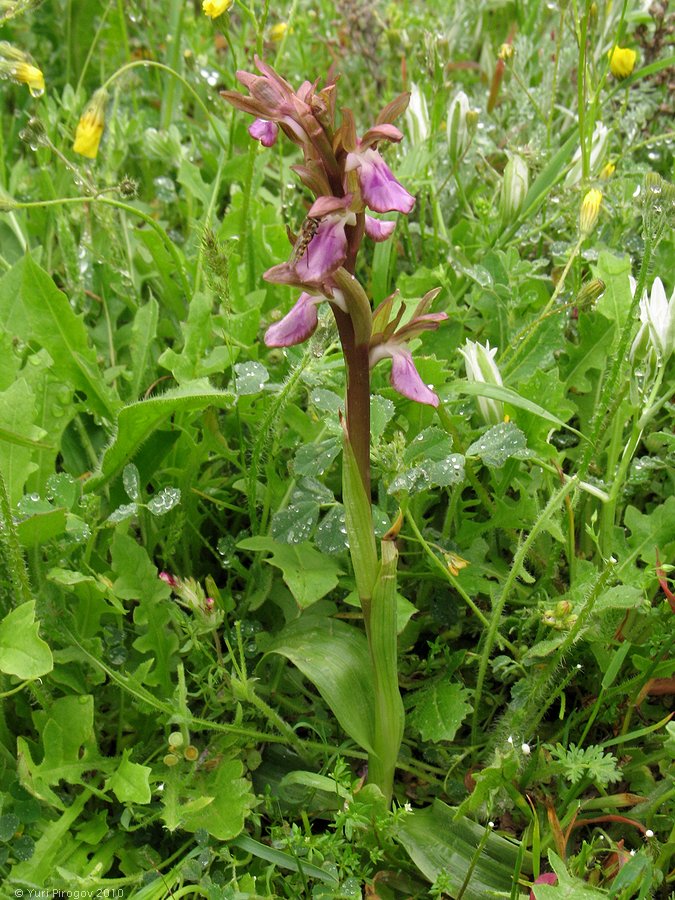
379, 230
381, 191
404, 376
297, 325
264, 131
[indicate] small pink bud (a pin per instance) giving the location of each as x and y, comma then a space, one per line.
169, 579
546, 878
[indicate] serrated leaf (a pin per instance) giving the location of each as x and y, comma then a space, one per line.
23, 653
130, 781
381, 412
441, 473
438, 710
499, 443
17, 443
616, 300
331, 535
589, 354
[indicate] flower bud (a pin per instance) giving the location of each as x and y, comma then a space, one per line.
590, 293
417, 116
481, 368
590, 210
621, 61
89, 129
607, 171
18, 65
505, 52
459, 130
514, 188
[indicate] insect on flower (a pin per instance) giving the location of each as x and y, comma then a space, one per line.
308, 230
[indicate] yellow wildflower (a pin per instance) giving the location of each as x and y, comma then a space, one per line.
90, 127
621, 61
505, 51
30, 75
455, 563
278, 31
607, 171
590, 209
215, 8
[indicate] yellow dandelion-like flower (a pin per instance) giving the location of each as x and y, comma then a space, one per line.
29, 74
89, 129
278, 31
505, 52
215, 8
621, 61
607, 171
590, 210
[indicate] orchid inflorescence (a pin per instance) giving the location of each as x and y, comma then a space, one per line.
347, 176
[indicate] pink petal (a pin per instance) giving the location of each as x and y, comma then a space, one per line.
381, 191
384, 132
404, 376
297, 325
377, 230
264, 131
325, 253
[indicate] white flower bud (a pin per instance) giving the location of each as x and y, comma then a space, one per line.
481, 367
417, 117
459, 130
514, 187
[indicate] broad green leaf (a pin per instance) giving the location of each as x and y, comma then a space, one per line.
331, 534
130, 781
250, 378
439, 473
499, 443
315, 459
51, 322
649, 531
17, 413
589, 354
381, 413
41, 527
219, 801
438, 841
296, 522
335, 658
143, 334
438, 710
23, 653
309, 575
138, 421
431, 444
69, 748
615, 303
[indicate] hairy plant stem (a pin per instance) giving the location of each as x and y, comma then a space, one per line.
18, 574
495, 618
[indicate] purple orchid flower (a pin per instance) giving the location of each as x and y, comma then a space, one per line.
404, 376
300, 322
380, 190
264, 131
390, 338
324, 252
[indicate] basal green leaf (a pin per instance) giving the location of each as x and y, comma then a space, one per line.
22, 651
335, 658
437, 841
499, 443
309, 575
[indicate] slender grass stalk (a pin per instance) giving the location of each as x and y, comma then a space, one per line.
495, 618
